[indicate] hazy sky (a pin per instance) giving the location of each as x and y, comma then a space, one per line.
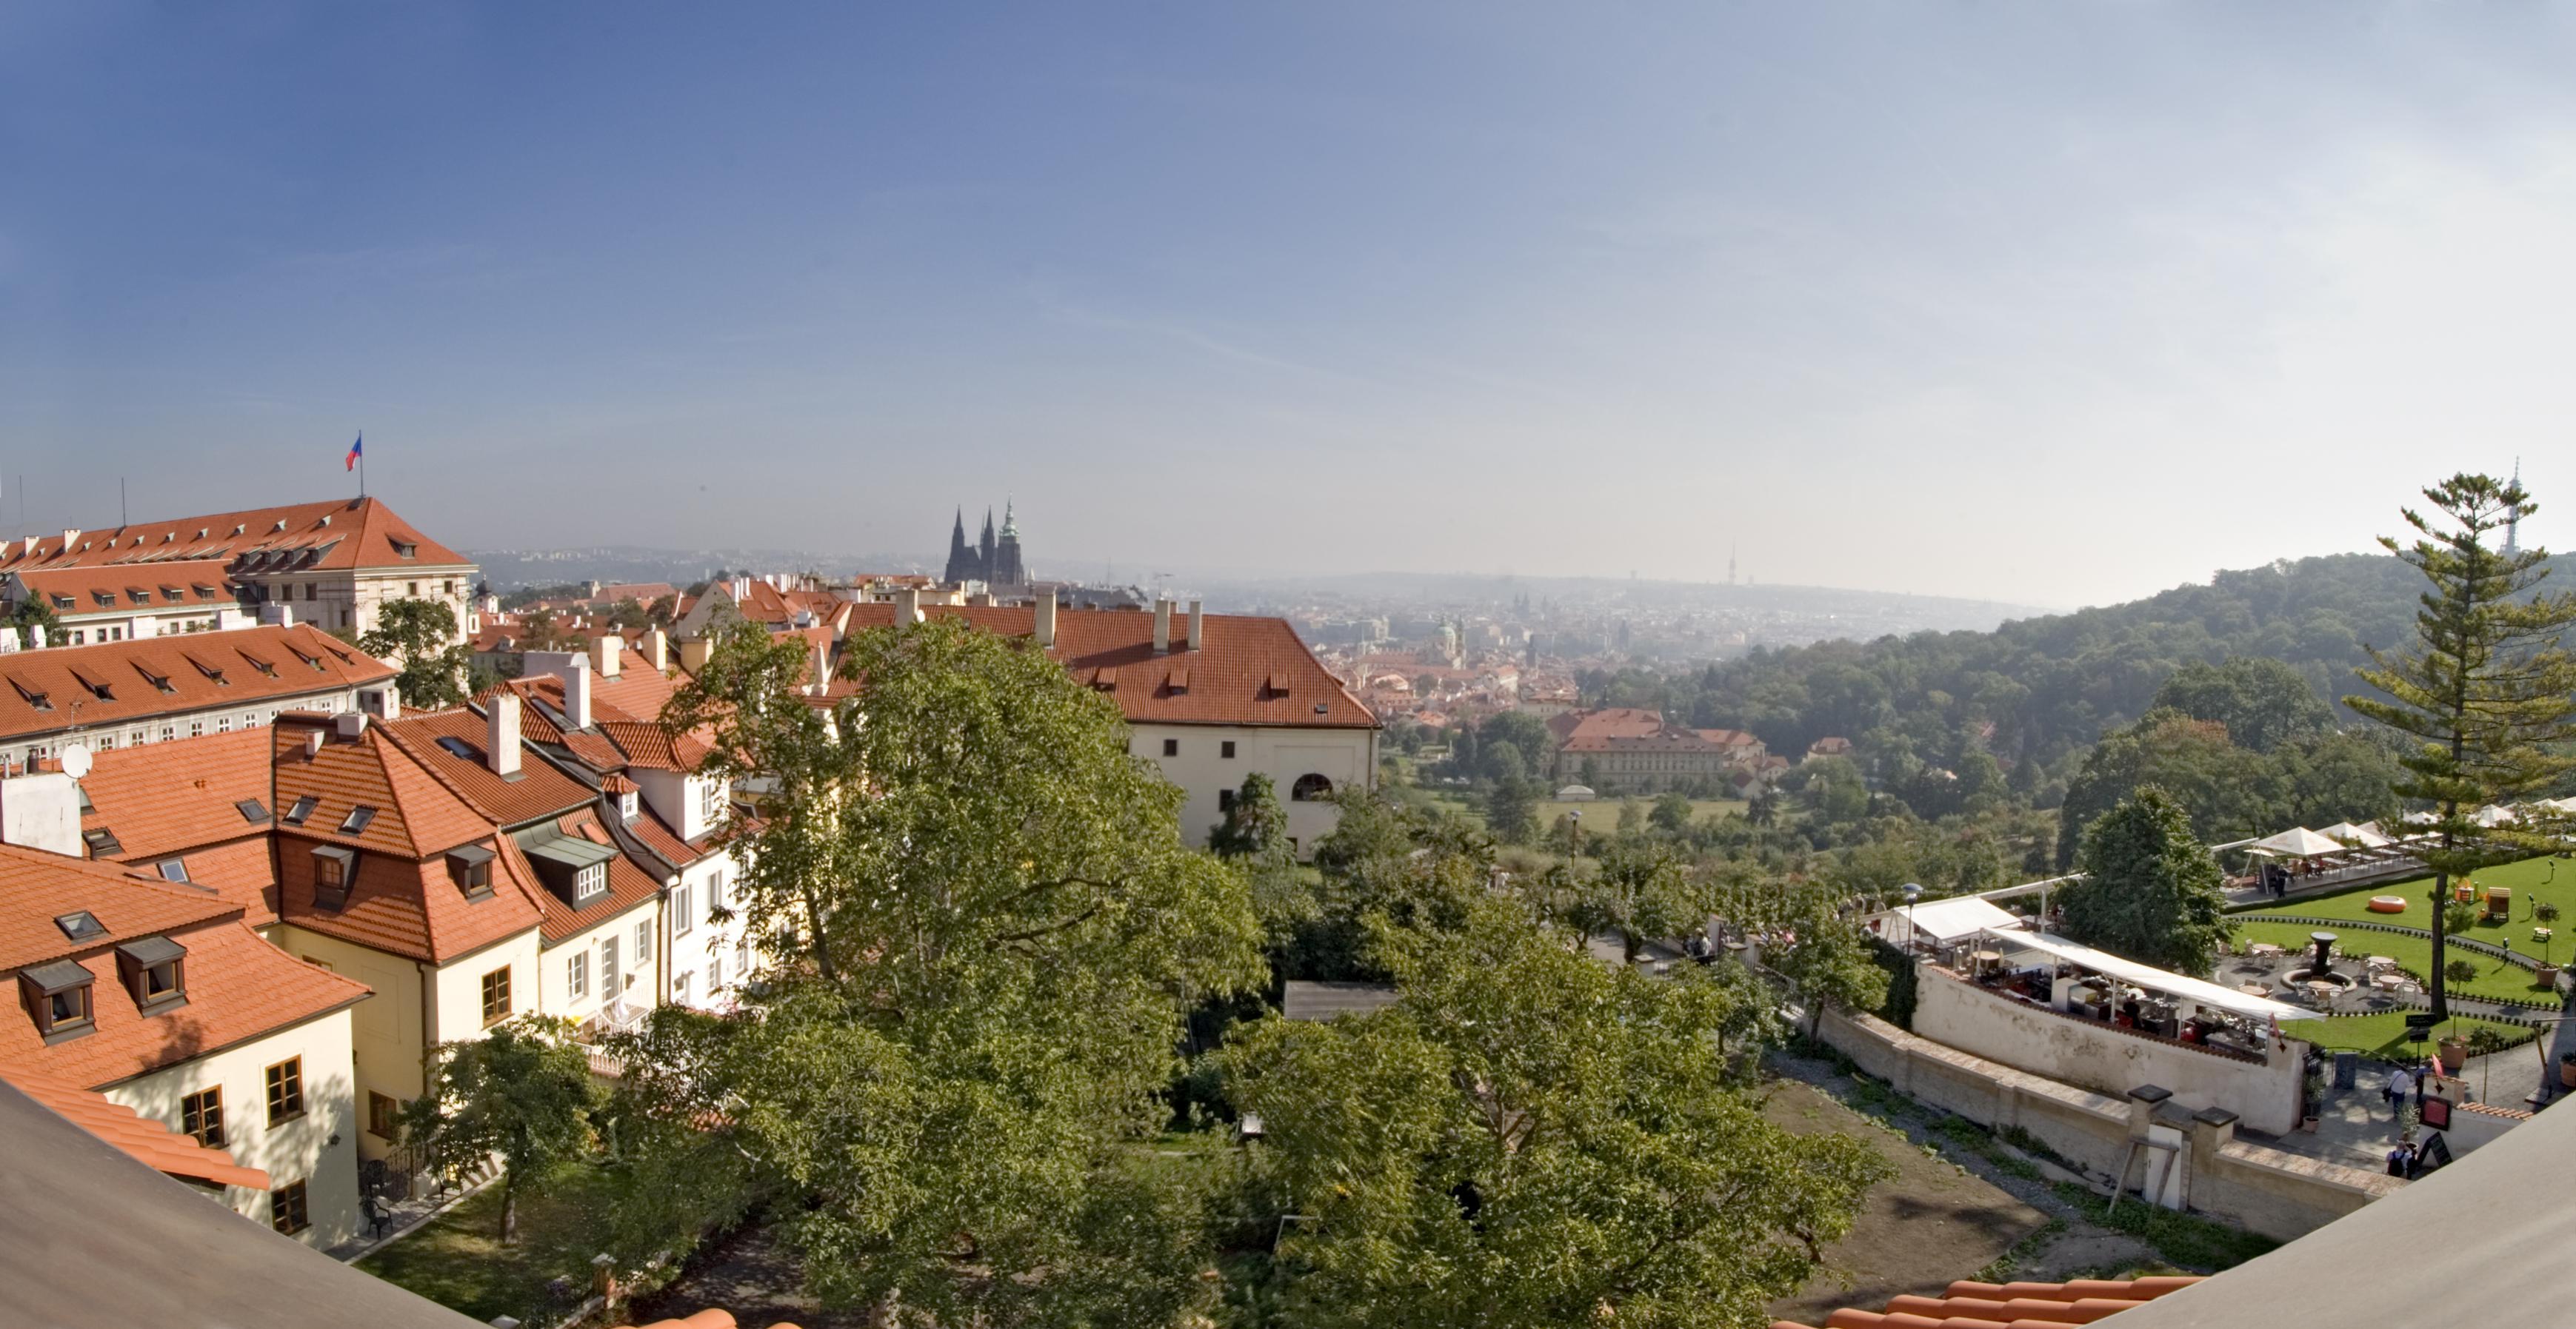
2050, 303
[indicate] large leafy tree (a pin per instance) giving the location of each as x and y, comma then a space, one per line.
1827, 958
1639, 892
523, 1092
1254, 827
987, 934
2262, 701
420, 637
1531, 1139
2486, 691
2149, 891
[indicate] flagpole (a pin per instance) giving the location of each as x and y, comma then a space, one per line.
362, 463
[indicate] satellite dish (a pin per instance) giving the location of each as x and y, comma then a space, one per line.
75, 760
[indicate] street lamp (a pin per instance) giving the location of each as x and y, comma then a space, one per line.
1576, 816
1913, 891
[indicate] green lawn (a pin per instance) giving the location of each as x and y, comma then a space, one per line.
457, 1261
2384, 1035
2496, 978
1602, 814
2551, 879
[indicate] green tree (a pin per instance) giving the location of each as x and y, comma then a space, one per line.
989, 935
523, 1092
2264, 702
2214, 782
2149, 890
1255, 827
1639, 893
1670, 814
2486, 690
420, 638
32, 613
1529, 1140
1828, 959
1511, 809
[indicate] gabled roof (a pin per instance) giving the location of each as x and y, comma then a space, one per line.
336, 534
1251, 670
142, 1139
37, 887
164, 798
629, 885
43, 692
412, 907
537, 791
413, 812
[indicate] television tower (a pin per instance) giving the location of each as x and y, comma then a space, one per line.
1730, 565
2513, 516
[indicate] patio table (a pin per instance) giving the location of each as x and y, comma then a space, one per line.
2390, 982
2265, 950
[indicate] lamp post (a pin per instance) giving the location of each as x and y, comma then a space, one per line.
1576, 816
1912, 892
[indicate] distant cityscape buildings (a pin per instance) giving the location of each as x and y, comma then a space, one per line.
993, 560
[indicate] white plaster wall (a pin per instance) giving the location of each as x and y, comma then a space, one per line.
705, 940
2103, 1059
456, 1001
554, 988
1343, 756
318, 1149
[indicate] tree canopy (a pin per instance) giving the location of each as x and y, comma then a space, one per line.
2149, 891
523, 1092
420, 638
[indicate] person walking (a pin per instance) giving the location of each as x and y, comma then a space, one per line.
2400, 1084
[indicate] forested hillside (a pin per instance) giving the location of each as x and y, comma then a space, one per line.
2039, 690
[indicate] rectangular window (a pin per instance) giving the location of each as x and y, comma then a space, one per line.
680, 921
496, 995
742, 955
715, 975
577, 974
608, 968
644, 943
384, 1116
680, 988
223, 724
201, 1116
1226, 749
286, 1208
1171, 747
1225, 800
196, 729
286, 1091
711, 800
715, 891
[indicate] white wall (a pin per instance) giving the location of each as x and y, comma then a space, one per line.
555, 988
2095, 1056
318, 1149
1200, 768
706, 941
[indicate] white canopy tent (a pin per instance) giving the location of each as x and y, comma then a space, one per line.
1945, 922
2297, 842
2355, 837
2157, 980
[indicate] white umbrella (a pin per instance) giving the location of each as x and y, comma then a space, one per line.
2358, 837
2299, 842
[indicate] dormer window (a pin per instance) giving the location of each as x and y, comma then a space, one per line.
105, 599
359, 817
58, 996
303, 808
259, 664
62, 602
33, 698
470, 867
333, 869
626, 805
102, 842
153, 969
406, 549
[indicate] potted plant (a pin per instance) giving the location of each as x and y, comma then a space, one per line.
2567, 1071
2312, 1102
2455, 1053
2545, 915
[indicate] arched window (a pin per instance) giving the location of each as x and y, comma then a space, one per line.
1310, 787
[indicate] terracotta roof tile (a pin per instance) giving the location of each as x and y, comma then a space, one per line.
539, 790
198, 583
184, 799
149, 1142
349, 533
1972, 1305
150, 677
238, 987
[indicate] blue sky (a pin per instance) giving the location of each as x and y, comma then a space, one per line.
2048, 303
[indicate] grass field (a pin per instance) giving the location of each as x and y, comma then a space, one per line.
457, 1261
2551, 879
2496, 978
2384, 1035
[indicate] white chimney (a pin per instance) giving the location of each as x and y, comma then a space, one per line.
576, 685
42, 811
606, 654
1045, 619
907, 606
351, 724
312, 744
36, 636
656, 648
1198, 627
277, 615
819, 678
8, 641
501, 733
70, 533
1162, 626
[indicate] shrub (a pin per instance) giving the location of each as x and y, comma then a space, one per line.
2461, 971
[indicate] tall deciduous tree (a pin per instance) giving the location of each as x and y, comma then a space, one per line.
2263, 702
1530, 1140
1827, 958
2487, 689
2149, 891
420, 638
523, 1092
997, 935
1254, 827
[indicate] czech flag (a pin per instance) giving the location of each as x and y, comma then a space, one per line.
356, 450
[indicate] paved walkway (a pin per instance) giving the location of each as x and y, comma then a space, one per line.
402, 1218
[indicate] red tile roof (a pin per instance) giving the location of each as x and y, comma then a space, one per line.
198, 583
347, 533
1972, 1305
183, 799
538, 791
647, 591
149, 1142
42, 692
238, 987
629, 885
1251, 671
713, 1317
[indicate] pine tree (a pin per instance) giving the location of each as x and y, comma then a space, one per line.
2485, 689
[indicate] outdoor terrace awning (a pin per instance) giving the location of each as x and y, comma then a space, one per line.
1946, 921
2157, 980
2300, 842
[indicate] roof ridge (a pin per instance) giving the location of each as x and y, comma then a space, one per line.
455, 791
